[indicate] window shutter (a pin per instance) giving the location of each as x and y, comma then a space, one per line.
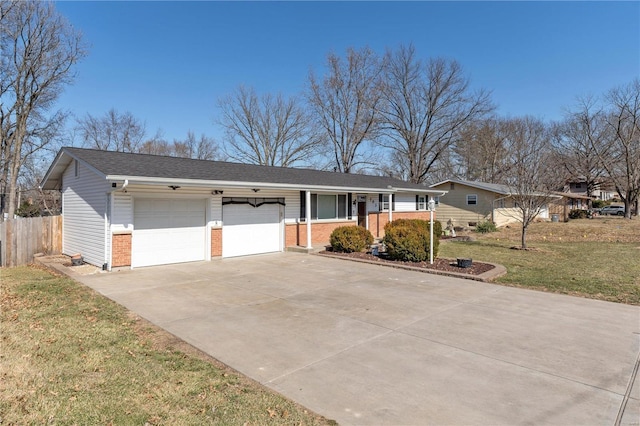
303, 199
380, 199
417, 202
349, 201
393, 204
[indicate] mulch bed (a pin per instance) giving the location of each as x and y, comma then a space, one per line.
439, 264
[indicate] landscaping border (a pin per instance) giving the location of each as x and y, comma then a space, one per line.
497, 271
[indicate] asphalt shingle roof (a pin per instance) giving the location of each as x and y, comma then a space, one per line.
112, 163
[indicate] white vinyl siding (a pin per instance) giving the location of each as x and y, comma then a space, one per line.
291, 210
84, 199
406, 202
122, 216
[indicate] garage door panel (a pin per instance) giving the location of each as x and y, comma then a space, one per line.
250, 230
168, 231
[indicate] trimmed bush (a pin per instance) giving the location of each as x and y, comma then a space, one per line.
486, 227
578, 214
408, 239
350, 239
598, 204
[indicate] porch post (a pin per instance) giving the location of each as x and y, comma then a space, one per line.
390, 207
307, 216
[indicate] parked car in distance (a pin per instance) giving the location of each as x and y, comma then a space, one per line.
612, 210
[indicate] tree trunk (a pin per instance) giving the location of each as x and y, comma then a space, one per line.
524, 236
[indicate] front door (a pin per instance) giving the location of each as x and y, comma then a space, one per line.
362, 214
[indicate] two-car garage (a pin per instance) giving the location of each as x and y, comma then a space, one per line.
175, 230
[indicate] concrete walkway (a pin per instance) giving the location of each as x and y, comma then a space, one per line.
370, 345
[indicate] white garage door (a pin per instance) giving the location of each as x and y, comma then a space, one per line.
168, 231
250, 230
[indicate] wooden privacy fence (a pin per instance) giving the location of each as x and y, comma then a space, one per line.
21, 238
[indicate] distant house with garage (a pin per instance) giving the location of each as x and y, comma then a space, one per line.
134, 210
567, 201
468, 203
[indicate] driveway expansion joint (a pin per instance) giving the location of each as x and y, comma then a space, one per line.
627, 394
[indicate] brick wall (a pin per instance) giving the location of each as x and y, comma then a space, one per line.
120, 250
216, 242
291, 237
296, 233
377, 220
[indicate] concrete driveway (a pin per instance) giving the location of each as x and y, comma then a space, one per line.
369, 345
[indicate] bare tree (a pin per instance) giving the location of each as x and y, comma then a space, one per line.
156, 145
203, 148
39, 49
532, 178
114, 131
577, 141
345, 103
33, 200
620, 155
267, 130
481, 152
425, 106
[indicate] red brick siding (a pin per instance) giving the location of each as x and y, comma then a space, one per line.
296, 234
120, 250
377, 220
291, 237
216, 242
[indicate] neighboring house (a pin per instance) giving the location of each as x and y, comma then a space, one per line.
603, 191
568, 201
469, 203
132, 210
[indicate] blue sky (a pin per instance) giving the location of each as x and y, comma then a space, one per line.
168, 62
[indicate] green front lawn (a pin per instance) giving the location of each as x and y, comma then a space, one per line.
70, 356
605, 270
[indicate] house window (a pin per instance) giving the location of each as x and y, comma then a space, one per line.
436, 200
452, 186
75, 165
500, 203
342, 206
472, 199
384, 205
422, 202
578, 185
328, 206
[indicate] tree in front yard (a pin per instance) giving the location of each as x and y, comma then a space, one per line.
39, 51
621, 156
532, 178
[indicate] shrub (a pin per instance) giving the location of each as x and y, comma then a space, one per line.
598, 204
408, 239
350, 239
578, 214
486, 227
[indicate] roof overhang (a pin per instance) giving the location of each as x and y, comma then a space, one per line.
52, 180
221, 184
